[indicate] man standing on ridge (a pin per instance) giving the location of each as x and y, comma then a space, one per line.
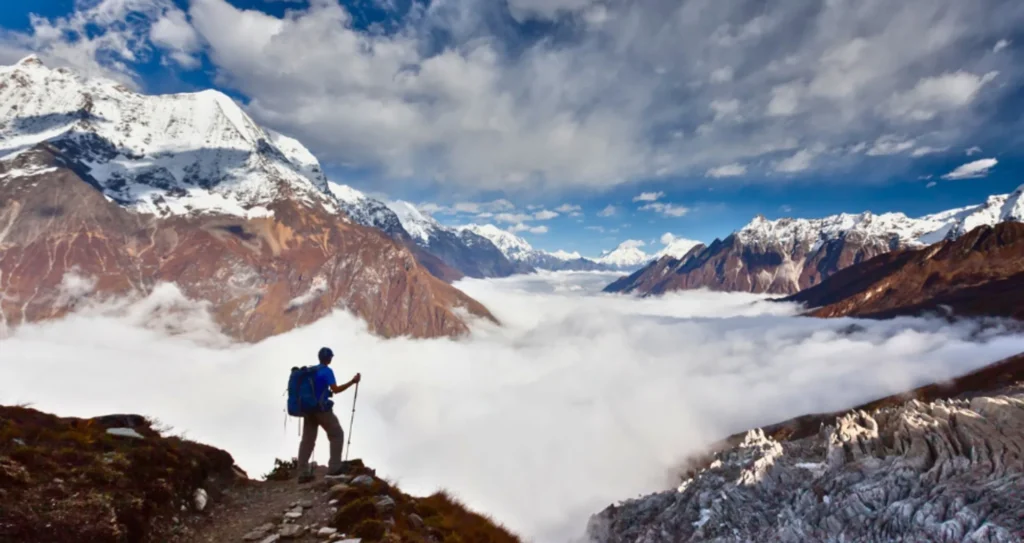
324, 386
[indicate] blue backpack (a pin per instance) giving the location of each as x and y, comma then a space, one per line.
302, 398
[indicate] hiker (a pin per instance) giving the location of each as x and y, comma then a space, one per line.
324, 386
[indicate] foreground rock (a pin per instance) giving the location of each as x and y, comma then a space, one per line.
107, 194
978, 274
68, 480
927, 469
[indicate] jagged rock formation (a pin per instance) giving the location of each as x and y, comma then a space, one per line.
980, 273
107, 193
786, 256
927, 469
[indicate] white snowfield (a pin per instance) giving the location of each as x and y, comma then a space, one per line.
511, 245
627, 255
891, 228
165, 155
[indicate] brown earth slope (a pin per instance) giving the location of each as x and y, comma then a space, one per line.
979, 274
116, 479
62, 242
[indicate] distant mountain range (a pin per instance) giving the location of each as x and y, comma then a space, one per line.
785, 256
108, 193
978, 273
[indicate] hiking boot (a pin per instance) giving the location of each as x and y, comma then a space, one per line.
335, 473
306, 478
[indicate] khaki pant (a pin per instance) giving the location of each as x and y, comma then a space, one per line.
310, 425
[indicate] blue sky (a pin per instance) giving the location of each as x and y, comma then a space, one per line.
509, 111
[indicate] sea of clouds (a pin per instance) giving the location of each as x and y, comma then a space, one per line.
579, 399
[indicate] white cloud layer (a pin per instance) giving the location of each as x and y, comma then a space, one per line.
972, 170
668, 210
455, 94
578, 401
648, 196
728, 170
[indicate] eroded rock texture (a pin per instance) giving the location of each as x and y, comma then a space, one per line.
950, 470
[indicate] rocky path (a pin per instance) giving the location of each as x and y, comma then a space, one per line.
272, 511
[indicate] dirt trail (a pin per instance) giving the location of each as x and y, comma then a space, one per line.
241, 510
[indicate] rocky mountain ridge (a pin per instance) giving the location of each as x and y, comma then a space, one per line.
935, 464
118, 193
980, 273
519, 250
785, 256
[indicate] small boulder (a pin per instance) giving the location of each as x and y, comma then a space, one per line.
306, 504
272, 539
259, 533
125, 432
294, 513
384, 504
363, 480
199, 499
416, 521
292, 531
326, 531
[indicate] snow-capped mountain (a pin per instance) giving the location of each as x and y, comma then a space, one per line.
118, 194
628, 255
519, 250
176, 154
676, 247
466, 251
785, 256
367, 211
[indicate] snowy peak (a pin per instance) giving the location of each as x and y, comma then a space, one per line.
627, 255
676, 247
565, 255
419, 225
513, 246
165, 155
996, 209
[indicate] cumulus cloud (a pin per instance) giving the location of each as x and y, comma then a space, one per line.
668, 210
798, 162
455, 94
102, 38
521, 227
545, 215
890, 145
925, 150
933, 95
728, 170
608, 211
512, 217
173, 33
648, 196
577, 401
972, 170
930, 184
1000, 45
721, 75
973, 150
568, 208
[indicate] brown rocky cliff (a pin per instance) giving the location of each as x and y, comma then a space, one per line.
737, 266
981, 273
260, 276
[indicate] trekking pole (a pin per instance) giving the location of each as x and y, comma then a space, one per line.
351, 422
